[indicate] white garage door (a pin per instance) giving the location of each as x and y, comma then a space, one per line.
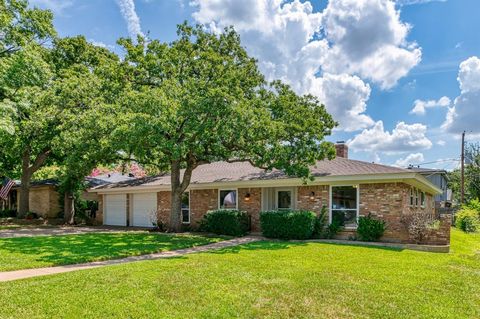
144, 209
115, 210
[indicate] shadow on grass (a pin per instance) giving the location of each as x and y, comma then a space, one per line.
275, 244
73, 249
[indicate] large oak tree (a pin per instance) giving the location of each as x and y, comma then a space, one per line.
201, 99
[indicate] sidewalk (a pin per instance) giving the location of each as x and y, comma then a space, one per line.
36, 272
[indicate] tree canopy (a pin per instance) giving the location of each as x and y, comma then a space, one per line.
202, 99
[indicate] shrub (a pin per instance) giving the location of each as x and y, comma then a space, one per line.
475, 205
467, 220
369, 228
322, 229
420, 226
8, 213
226, 222
288, 224
321, 223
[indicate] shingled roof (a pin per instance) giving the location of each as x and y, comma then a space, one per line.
219, 172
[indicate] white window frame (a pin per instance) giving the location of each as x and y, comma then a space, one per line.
416, 197
330, 210
412, 197
189, 208
423, 196
236, 197
292, 200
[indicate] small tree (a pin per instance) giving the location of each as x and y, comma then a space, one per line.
202, 99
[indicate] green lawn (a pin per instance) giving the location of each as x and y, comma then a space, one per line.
44, 251
264, 280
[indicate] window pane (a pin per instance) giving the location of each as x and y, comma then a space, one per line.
228, 199
347, 218
284, 200
185, 216
344, 197
186, 200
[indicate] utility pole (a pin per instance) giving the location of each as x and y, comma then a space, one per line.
462, 178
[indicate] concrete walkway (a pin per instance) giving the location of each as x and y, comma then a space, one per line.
36, 272
61, 230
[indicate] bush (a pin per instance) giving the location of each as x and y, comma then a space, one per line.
322, 229
288, 224
420, 226
8, 213
475, 205
369, 228
226, 222
467, 220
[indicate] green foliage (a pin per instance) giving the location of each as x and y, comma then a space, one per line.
288, 224
472, 175
321, 224
474, 204
8, 213
226, 222
21, 25
369, 228
468, 220
201, 99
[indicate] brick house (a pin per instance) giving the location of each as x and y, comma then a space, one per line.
347, 188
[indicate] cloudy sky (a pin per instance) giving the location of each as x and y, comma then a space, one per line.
402, 77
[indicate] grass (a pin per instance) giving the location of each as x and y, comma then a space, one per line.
265, 280
45, 251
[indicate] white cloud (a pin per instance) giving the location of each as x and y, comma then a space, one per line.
420, 106
345, 98
57, 6
465, 112
127, 8
360, 46
411, 159
403, 138
101, 44
330, 54
411, 2
441, 143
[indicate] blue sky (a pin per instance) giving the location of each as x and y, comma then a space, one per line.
369, 68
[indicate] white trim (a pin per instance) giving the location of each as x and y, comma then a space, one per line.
189, 209
358, 203
410, 178
236, 197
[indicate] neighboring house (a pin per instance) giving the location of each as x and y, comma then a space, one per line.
437, 177
347, 188
45, 200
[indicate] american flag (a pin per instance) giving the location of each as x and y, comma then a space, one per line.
6, 186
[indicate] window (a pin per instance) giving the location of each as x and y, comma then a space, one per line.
344, 207
284, 199
411, 196
186, 208
416, 197
228, 199
422, 199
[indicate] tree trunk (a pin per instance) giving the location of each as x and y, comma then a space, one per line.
24, 205
177, 189
176, 198
27, 172
69, 208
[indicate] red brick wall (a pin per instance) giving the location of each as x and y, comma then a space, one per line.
385, 201
321, 197
253, 206
201, 201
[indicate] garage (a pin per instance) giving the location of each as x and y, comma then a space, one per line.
144, 208
115, 210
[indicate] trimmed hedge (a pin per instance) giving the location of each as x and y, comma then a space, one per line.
288, 224
226, 222
369, 228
